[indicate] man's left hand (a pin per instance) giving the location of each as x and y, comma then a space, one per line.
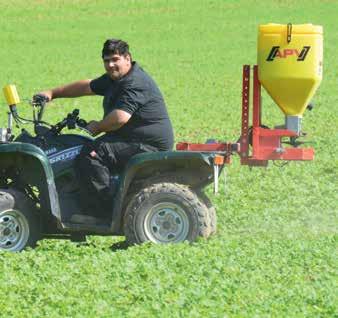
93, 127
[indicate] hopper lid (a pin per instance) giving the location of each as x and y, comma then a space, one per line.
296, 28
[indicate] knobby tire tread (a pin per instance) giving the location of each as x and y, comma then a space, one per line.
180, 190
14, 199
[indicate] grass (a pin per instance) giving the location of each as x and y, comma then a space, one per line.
275, 253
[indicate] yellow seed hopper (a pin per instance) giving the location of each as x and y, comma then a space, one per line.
290, 65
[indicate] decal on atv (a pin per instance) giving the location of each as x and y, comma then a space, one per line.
65, 155
50, 151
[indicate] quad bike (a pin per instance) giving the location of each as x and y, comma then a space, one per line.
158, 196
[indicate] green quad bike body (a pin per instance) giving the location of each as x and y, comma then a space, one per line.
158, 196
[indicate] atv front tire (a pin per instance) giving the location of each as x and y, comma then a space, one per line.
165, 213
19, 227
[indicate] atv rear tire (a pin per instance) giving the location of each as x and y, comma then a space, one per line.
165, 213
19, 227
212, 211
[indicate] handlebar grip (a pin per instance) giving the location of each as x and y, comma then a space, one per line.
75, 112
40, 100
81, 123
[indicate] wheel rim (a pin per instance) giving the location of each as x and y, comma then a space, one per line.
14, 230
166, 223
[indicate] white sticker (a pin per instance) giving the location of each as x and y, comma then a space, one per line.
65, 155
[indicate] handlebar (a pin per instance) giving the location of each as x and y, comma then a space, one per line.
72, 121
40, 100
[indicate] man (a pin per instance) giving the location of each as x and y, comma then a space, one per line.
135, 120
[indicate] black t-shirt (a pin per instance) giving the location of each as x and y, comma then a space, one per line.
137, 94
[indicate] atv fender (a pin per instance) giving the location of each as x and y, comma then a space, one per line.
191, 168
33, 163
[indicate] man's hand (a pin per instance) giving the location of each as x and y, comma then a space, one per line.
48, 94
93, 127
40, 100
113, 121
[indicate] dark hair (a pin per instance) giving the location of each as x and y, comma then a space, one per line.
115, 46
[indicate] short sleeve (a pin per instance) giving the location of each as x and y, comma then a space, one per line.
130, 99
100, 85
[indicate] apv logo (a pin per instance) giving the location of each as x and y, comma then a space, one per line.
277, 53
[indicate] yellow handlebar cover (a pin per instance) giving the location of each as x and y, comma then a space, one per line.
11, 95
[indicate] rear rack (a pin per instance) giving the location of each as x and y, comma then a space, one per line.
257, 144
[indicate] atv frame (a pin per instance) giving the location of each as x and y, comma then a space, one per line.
159, 196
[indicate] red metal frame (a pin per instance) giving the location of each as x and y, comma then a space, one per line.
257, 106
246, 159
244, 152
221, 148
266, 143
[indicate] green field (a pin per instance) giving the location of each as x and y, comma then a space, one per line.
275, 252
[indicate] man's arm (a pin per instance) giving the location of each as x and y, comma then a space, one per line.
76, 89
113, 121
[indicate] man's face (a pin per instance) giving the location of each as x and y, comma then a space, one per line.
116, 65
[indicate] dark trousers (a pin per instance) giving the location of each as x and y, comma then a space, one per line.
97, 161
